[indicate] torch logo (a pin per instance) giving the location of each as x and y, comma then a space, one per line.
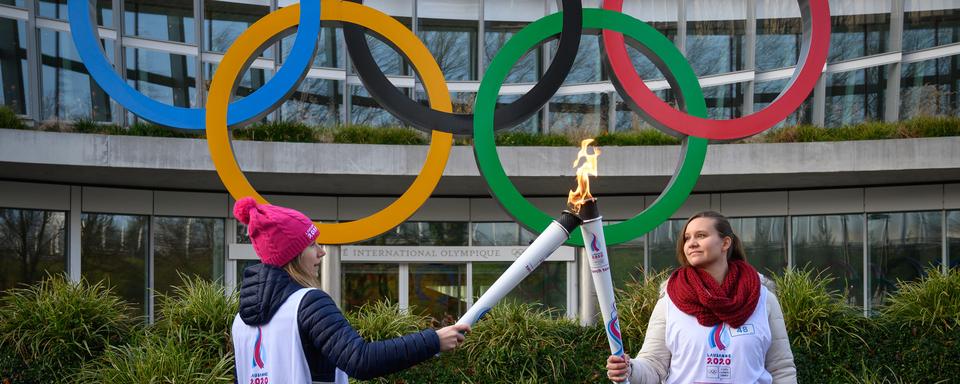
593, 244
258, 350
613, 329
719, 337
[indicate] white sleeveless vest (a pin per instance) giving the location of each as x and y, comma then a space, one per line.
272, 353
719, 354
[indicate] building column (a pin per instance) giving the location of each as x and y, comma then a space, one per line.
330, 270
74, 227
891, 96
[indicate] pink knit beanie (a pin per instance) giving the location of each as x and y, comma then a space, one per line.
278, 234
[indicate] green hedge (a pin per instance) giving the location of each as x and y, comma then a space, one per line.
291, 131
912, 339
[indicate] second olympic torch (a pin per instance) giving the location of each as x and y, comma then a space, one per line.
585, 205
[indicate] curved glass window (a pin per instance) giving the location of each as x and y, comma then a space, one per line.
364, 110
903, 246
546, 286
764, 93
502, 19
316, 102
929, 88
832, 245
330, 53
67, 91
32, 245
725, 101
13, 65
165, 77
224, 21
579, 116
715, 35
57, 9
928, 24
438, 291
186, 246
861, 28
855, 96
364, 283
779, 34
114, 250
765, 242
424, 233
160, 20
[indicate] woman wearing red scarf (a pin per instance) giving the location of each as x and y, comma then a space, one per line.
717, 319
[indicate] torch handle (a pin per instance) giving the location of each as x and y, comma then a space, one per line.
544, 245
596, 247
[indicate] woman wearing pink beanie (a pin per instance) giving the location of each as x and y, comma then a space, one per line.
290, 331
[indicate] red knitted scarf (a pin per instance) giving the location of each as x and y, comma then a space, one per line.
697, 294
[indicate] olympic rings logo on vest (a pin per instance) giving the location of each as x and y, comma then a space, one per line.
690, 122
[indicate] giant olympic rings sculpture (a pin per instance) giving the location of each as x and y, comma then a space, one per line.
689, 123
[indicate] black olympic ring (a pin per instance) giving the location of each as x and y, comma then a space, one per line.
426, 119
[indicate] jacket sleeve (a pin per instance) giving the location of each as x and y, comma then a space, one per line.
779, 360
653, 362
323, 324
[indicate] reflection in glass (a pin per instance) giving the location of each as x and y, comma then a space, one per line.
832, 245
855, 96
15, 3
953, 238
330, 51
57, 9
224, 21
626, 261
241, 265
924, 26
725, 101
502, 19
438, 291
779, 34
495, 234
453, 44
32, 245
715, 36
316, 102
424, 233
902, 246
368, 283
531, 125
859, 35
546, 285
663, 245
160, 20
252, 79
68, 93
165, 77
579, 116
929, 88
188, 246
766, 92
587, 67
629, 120
13, 65
764, 240
114, 249
462, 101
364, 110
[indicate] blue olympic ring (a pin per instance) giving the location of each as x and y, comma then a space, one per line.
260, 102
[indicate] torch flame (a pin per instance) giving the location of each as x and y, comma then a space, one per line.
586, 168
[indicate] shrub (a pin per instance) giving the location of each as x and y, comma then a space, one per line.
285, 131
147, 129
931, 303
364, 134
55, 325
165, 358
635, 303
638, 137
519, 342
9, 119
938, 126
203, 312
517, 138
382, 320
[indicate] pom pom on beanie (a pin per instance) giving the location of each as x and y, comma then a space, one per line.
241, 210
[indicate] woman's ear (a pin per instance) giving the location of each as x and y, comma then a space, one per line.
727, 243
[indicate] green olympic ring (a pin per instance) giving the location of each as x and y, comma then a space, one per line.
693, 151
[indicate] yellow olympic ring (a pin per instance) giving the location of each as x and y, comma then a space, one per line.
256, 37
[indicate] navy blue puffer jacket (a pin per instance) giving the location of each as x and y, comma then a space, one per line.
328, 340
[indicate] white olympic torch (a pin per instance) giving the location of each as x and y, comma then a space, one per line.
552, 238
585, 206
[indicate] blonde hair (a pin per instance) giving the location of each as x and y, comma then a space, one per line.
301, 276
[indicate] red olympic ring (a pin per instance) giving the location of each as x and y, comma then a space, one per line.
813, 57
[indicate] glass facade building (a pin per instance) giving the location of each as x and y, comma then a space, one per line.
890, 60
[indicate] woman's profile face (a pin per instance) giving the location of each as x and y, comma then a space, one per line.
310, 258
702, 244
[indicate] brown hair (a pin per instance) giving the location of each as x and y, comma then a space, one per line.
300, 275
722, 225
